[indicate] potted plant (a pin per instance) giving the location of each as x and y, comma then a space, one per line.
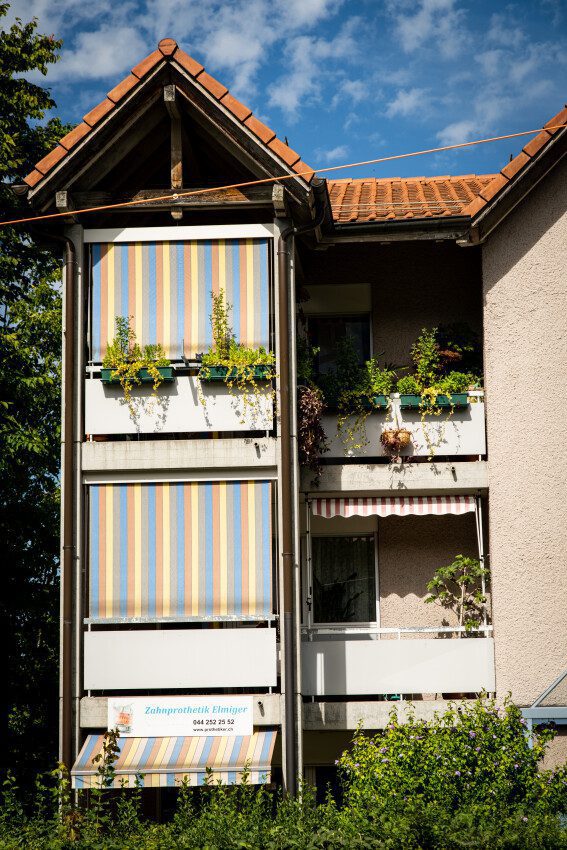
246, 371
311, 437
228, 360
432, 387
129, 364
458, 588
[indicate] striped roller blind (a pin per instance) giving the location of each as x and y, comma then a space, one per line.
166, 287
180, 550
394, 506
167, 762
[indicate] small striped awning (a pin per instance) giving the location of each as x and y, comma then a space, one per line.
390, 506
169, 762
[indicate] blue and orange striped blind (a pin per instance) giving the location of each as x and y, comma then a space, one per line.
167, 286
169, 761
183, 549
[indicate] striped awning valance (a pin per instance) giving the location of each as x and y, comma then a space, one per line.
166, 287
393, 506
170, 761
180, 549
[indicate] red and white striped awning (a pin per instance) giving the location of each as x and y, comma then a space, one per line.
394, 506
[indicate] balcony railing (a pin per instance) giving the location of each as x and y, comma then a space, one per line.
350, 661
180, 406
446, 432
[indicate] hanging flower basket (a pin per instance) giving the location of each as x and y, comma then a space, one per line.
395, 439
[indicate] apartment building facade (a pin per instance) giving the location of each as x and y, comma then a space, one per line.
223, 607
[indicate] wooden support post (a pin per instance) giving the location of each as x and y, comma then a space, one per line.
176, 146
64, 203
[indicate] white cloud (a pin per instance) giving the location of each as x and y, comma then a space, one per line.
407, 103
436, 24
108, 52
332, 156
504, 33
351, 91
460, 131
307, 56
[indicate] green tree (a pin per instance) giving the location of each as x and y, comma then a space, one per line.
30, 344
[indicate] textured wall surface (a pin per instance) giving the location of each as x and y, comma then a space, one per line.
414, 285
525, 326
557, 752
410, 550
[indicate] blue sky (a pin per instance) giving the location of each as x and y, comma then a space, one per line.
344, 80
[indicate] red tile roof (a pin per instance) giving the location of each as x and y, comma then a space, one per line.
168, 51
395, 198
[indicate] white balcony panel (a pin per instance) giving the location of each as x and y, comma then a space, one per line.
461, 432
349, 666
189, 658
176, 408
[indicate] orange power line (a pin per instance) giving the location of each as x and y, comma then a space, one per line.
176, 195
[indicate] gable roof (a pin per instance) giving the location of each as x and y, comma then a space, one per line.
390, 198
168, 52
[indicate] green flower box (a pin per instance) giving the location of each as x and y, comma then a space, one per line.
166, 373
376, 402
414, 402
380, 402
223, 373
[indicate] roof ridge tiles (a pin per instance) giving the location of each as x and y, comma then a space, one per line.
169, 51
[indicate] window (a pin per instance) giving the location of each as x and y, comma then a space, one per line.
326, 331
344, 579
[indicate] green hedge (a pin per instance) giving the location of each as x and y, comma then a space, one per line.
471, 778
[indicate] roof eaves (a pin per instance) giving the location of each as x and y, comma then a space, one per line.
517, 166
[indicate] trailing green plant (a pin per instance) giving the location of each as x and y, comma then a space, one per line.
457, 587
311, 437
425, 357
126, 358
245, 370
377, 380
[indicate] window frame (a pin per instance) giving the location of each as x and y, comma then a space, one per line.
309, 609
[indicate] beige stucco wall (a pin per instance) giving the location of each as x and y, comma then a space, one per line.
413, 285
525, 341
410, 550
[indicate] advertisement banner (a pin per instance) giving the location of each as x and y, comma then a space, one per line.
157, 717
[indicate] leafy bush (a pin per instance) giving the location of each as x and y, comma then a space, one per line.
458, 588
457, 382
377, 381
474, 756
408, 386
467, 779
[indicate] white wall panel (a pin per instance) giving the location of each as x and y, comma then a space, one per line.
175, 408
459, 433
189, 658
345, 666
